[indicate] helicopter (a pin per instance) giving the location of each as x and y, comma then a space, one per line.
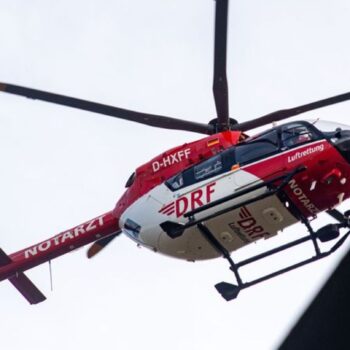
210, 197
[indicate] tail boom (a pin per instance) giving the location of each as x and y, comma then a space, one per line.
65, 242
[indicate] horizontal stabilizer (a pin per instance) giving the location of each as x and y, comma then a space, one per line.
26, 287
22, 283
4, 258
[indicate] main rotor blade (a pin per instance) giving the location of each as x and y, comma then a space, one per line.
138, 117
287, 113
97, 246
220, 88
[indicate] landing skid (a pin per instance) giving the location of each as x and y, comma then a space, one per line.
230, 291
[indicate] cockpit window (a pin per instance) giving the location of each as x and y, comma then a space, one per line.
250, 150
256, 148
297, 134
131, 180
213, 166
208, 168
176, 182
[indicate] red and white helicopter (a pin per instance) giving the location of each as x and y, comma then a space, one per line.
207, 198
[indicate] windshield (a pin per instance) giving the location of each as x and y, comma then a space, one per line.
327, 126
295, 134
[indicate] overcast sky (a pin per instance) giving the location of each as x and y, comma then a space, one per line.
61, 167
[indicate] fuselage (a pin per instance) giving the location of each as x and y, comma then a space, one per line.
194, 175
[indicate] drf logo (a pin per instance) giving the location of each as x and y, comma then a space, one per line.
190, 201
171, 159
247, 227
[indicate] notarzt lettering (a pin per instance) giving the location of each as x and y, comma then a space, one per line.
303, 199
64, 237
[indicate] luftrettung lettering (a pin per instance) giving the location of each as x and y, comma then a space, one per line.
307, 152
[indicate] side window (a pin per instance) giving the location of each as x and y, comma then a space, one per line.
204, 170
257, 148
228, 158
294, 135
208, 168
131, 180
176, 182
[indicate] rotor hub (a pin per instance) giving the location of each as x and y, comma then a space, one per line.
218, 127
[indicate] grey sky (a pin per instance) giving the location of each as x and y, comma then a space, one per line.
61, 167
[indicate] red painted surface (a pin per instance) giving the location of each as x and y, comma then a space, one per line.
147, 178
60, 244
320, 165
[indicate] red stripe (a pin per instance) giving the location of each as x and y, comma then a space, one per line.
169, 209
166, 207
